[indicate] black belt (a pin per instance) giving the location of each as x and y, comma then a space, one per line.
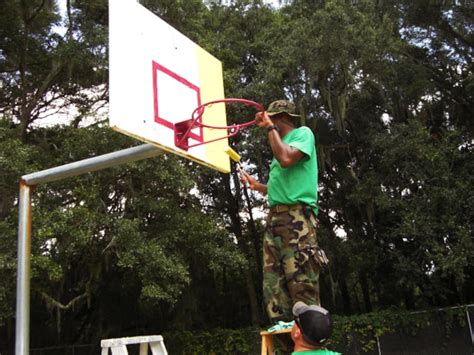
286, 208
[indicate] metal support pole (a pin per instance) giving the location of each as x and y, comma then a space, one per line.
471, 332
92, 164
22, 336
23, 272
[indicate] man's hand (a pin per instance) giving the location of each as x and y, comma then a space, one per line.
247, 179
263, 120
252, 183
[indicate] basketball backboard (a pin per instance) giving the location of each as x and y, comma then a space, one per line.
158, 77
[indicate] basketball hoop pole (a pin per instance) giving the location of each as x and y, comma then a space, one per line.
27, 183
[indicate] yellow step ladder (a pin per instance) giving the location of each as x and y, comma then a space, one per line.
267, 343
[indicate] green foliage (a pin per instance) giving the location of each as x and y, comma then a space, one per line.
429, 239
361, 331
164, 244
43, 72
355, 334
214, 341
7, 272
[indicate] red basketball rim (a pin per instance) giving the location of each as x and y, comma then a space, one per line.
196, 120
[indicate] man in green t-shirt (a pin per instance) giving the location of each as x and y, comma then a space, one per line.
290, 254
312, 329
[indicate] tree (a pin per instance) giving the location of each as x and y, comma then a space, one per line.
42, 72
388, 93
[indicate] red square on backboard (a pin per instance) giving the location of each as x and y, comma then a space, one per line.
174, 99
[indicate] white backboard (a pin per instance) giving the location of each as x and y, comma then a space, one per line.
158, 77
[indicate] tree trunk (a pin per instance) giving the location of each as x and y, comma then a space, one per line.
236, 227
365, 291
346, 298
252, 297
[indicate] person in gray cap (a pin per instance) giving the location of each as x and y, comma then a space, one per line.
312, 329
291, 257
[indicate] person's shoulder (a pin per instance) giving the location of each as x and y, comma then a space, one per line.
304, 129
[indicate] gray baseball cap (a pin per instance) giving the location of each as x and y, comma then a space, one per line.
314, 321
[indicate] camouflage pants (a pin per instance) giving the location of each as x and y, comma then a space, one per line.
290, 272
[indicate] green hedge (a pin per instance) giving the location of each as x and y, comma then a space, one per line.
215, 341
354, 334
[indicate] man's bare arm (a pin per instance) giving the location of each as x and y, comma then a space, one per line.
284, 153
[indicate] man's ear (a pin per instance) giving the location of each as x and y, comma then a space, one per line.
297, 332
287, 120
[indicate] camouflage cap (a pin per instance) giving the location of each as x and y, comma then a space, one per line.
280, 106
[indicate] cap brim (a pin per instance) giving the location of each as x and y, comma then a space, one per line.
276, 113
299, 308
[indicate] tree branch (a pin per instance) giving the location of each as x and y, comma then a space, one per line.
52, 302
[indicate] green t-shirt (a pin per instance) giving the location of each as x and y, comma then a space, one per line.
315, 352
297, 183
